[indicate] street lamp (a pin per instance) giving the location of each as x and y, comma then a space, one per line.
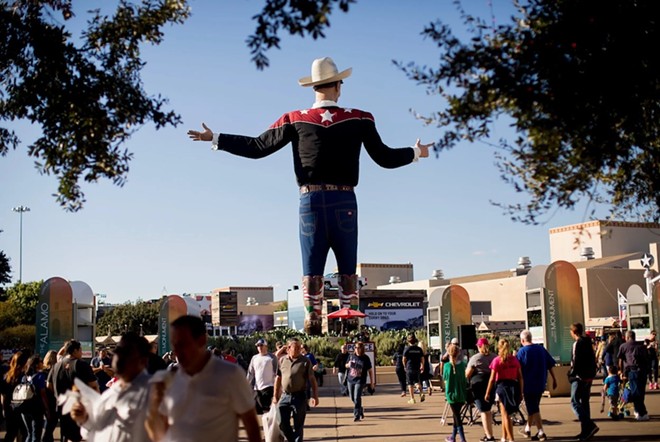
20, 210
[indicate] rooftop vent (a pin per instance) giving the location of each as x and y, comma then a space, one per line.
523, 267
395, 280
587, 253
438, 274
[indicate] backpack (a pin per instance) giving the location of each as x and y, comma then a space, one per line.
24, 396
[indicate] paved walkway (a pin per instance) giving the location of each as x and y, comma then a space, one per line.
389, 418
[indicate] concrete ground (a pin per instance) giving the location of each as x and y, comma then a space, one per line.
389, 418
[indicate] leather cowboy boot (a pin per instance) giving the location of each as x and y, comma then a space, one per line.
348, 291
312, 300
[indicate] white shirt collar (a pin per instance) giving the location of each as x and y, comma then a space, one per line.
324, 103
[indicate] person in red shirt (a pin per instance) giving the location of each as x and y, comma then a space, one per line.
506, 378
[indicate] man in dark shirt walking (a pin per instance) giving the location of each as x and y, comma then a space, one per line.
60, 380
581, 375
633, 364
413, 360
358, 367
340, 369
326, 141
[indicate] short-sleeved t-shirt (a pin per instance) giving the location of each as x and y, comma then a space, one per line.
206, 406
535, 361
612, 383
358, 368
480, 363
66, 370
413, 355
295, 373
101, 376
505, 370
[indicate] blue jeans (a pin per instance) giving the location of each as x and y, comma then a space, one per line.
580, 392
292, 405
639, 378
328, 220
355, 393
342, 383
34, 423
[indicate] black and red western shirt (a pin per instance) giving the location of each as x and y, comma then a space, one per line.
325, 141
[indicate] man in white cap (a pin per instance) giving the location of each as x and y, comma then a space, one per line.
326, 141
261, 375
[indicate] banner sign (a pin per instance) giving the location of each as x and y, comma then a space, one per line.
173, 307
54, 315
455, 310
224, 309
394, 314
562, 306
250, 324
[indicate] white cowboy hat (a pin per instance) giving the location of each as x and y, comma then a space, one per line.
324, 70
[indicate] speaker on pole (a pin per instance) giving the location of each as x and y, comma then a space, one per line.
467, 337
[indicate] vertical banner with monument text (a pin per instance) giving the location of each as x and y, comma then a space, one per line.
173, 307
655, 305
455, 310
563, 306
54, 315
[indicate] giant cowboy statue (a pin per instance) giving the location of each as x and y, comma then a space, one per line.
326, 141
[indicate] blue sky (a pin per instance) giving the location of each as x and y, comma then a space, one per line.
191, 220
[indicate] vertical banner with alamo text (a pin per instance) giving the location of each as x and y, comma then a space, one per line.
562, 306
54, 315
455, 310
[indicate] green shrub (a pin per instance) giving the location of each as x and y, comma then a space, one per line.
18, 337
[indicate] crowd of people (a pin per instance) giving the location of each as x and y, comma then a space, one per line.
196, 391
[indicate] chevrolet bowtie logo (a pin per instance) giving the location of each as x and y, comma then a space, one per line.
375, 304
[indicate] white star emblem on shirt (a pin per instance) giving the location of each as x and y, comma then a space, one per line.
327, 116
304, 112
348, 111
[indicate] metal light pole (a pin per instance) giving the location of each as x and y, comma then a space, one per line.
20, 210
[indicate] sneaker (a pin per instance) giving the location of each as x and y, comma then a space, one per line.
525, 433
643, 418
636, 416
412, 401
449, 439
591, 433
404, 394
356, 419
540, 436
487, 439
422, 397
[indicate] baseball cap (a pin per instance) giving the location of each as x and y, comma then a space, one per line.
454, 340
261, 342
482, 341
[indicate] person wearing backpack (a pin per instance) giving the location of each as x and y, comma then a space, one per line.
33, 410
60, 380
11, 379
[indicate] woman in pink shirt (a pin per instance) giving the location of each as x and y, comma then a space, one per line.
507, 378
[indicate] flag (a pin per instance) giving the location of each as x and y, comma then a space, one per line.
623, 308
